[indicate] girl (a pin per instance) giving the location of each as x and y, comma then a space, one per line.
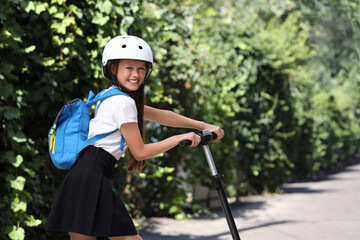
85, 205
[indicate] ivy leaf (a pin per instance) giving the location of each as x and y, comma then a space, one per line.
11, 112
30, 49
41, 7
126, 23
18, 183
99, 19
104, 6
50, 61
17, 233
30, 172
59, 27
30, 6
59, 2
18, 161
19, 137
18, 205
32, 222
5, 89
15, 161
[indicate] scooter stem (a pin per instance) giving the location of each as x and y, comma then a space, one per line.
216, 181
210, 160
206, 138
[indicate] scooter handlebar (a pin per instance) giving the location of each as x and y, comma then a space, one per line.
185, 143
205, 135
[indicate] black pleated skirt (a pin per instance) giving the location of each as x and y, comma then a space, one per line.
85, 202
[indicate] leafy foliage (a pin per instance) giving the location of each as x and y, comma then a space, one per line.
279, 78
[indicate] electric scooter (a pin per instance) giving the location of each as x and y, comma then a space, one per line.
206, 138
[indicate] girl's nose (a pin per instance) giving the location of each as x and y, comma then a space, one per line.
135, 73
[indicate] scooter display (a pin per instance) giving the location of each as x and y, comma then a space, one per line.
206, 138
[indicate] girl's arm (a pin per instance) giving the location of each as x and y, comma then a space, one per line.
172, 119
143, 151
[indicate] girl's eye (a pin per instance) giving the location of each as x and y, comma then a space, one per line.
139, 69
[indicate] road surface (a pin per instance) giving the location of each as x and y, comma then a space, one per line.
324, 210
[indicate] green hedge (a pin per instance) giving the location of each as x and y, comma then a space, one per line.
280, 80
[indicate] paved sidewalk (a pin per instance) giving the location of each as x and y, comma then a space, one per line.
326, 210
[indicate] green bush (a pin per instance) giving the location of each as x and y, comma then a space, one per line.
280, 80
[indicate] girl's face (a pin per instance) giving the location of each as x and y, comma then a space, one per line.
130, 74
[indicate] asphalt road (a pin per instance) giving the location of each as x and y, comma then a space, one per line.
325, 210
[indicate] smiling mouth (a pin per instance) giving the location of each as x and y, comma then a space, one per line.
133, 81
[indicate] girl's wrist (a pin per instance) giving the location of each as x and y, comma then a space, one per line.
207, 126
201, 125
178, 138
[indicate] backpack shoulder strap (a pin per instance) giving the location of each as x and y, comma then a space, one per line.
92, 99
103, 95
95, 139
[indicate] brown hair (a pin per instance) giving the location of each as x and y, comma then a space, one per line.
139, 96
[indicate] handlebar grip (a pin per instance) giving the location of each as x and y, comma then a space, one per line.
185, 143
214, 136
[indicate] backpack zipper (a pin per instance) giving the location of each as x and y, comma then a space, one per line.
53, 128
52, 138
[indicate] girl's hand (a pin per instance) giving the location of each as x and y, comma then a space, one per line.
194, 138
219, 132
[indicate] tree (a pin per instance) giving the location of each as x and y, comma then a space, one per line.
280, 78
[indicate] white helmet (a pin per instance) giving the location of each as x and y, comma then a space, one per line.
126, 47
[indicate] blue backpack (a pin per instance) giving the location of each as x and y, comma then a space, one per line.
68, 135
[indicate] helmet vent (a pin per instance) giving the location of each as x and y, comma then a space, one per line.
123, 46
140, 47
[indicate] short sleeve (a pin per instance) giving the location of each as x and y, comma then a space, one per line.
110, 114
124, 109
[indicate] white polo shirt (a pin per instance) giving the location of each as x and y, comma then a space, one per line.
110, 114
